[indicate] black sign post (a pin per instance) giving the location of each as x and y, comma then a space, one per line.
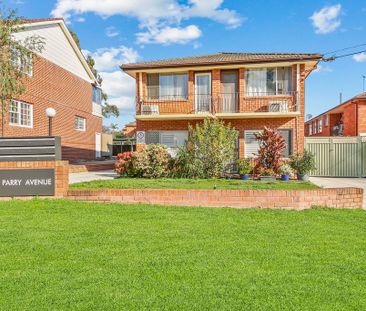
27, 182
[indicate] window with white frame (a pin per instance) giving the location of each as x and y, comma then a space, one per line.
22, 62
268, 81
320, 126
20, 114
326, 120
314, 127
310, 129
167, 86
97, 95
80, 124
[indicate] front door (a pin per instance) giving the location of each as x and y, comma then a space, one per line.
203, 99
98, 145
229, 89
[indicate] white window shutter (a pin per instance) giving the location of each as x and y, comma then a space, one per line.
251, 146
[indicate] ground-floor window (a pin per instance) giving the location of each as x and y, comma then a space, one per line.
251, 146
171, 139
20, 114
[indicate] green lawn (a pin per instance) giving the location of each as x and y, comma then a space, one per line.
63, 255
170, 183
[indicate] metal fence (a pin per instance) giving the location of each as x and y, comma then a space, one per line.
338, 156
30, 149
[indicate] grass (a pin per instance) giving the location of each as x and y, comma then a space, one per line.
62, 255
170, 183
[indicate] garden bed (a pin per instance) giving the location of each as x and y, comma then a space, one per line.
171, 183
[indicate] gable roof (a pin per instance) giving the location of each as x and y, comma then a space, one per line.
28, 23
222, 59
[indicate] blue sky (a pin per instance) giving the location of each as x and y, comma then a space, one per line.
118, 31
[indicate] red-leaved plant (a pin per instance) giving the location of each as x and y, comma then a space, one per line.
123, 163
270, 151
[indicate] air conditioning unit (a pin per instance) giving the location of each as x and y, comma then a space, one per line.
278, 106
149, 109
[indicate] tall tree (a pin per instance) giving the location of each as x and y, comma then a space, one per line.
16, 57
108, 110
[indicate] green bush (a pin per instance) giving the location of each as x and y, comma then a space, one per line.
151, 162
303, 163
245, 166
209, 149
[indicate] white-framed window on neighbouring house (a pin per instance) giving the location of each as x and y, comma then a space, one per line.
310, 129
320, 125
314, 127
20, 114
22, 63
167, 86
80, 124
326, 120
268, 81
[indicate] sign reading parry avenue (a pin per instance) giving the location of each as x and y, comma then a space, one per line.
27, 182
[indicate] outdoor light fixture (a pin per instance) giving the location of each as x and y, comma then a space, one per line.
50, 113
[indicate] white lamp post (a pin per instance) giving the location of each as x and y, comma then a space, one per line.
50, 113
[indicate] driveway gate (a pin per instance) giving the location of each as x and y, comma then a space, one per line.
338, 156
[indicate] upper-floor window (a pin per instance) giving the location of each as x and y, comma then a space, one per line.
310, 129
326, 120
320, 126
20, 114
80, 124
97, 95
22, 62
314, 127
268, 81
167, 86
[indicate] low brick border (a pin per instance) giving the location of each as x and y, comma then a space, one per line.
288, 199
91, 167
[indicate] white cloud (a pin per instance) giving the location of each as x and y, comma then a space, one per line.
323, 69
327, 19
111, 32
80, 19
361, 57
159, 18
168, 35
108, 59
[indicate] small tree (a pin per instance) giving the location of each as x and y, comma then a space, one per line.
210, 147
15, 58
270, 151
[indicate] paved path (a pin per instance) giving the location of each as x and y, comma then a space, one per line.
341, 183
89, 176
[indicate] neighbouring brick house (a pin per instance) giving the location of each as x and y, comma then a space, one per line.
60, 78
346, 119
129, 130
248, 90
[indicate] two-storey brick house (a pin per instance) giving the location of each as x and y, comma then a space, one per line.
59, 78
247, 90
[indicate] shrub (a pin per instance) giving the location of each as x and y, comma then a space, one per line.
209, 149
285, 169
245, 166
303, 163
266, 172
270, 151
152, 162
123, 164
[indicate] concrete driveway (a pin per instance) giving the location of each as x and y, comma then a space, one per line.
90, 176
327, 182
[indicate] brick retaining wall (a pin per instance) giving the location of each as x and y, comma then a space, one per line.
91, 167
289, 199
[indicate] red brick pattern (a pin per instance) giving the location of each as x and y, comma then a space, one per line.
91, 167
288, 199
61, 172
53, 86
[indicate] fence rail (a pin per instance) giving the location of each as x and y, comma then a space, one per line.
338, 156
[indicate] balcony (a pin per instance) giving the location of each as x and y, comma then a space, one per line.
225, 105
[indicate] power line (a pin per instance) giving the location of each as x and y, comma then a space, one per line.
344, 49
329, 59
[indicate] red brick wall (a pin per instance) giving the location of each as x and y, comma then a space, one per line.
350, 120
361, 121
289, 199
53, 86
294, 123
239, 124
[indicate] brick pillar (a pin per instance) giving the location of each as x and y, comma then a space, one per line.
241, 88
191, 90
216, 88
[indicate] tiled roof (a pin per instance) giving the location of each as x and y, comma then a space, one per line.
223, 58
